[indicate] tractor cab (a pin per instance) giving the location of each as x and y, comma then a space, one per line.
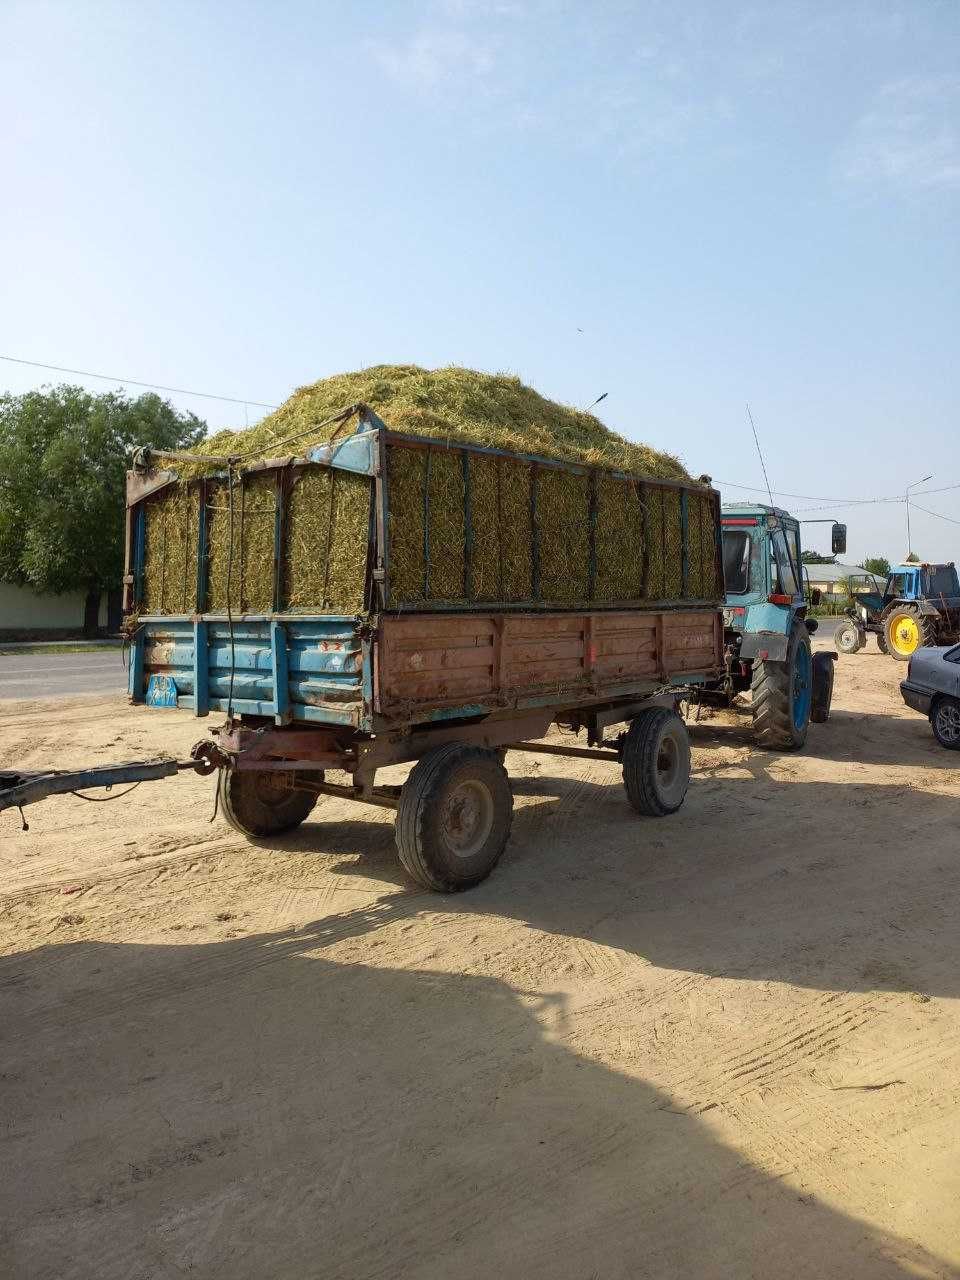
921, 608
762, 570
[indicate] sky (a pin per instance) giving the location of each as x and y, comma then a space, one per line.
691, 207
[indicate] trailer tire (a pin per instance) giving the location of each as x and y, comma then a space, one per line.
454, 817
259, 802
656, 762
782, 696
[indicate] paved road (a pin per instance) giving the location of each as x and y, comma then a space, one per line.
58, 675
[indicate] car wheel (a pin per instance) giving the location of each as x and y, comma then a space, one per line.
945, 718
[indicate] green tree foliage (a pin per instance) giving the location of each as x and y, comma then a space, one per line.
64, 453
878, 565
814, 557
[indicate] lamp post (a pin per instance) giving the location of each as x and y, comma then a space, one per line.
907, 500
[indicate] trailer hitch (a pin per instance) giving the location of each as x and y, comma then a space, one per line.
20, 787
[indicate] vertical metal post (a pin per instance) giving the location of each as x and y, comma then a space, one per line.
135, 685
202, 557
139, 551
278, 525
280, 669
201, 669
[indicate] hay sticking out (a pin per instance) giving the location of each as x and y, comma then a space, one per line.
461, 406
563, 535
619, 542
170, 561
328, 520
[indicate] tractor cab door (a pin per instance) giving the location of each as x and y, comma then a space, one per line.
901, 585
786, 573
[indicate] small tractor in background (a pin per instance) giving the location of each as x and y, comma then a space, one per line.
918, 607
767, 649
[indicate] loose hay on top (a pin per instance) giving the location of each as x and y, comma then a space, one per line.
462, 406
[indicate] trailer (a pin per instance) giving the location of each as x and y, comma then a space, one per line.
477, 622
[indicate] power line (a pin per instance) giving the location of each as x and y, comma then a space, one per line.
949, 519
134, 382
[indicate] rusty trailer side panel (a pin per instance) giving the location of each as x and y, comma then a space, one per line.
471, 663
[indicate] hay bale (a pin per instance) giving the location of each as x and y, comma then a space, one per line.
170, 552
462, 406
328, 521
619, 542
563, 535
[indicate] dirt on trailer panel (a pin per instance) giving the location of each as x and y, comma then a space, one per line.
721, 1044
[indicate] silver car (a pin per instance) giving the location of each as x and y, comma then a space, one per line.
933, 687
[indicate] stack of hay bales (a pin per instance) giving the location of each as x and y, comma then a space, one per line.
462, 527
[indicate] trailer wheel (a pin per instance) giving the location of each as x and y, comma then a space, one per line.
262, 803
454, 817
656, 762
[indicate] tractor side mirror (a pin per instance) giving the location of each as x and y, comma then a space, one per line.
838, 543
816, 595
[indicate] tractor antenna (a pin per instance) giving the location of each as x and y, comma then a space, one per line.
756, 441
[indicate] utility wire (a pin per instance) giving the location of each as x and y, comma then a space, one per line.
133, 382
949, 519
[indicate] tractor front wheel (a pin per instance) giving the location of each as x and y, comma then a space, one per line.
847, 637
905, 630
782, 694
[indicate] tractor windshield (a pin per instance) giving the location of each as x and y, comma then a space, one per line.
940, 580
736, 562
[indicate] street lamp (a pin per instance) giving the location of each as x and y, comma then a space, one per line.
907, 500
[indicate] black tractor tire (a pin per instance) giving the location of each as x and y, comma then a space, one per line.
848, 637
822, 688
656, 762
259, 802
881, 641
454, 817
945, 721
772, 690
925, 625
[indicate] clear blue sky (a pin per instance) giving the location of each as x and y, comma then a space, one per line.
733, 202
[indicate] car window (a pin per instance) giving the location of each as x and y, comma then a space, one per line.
736, 561
953, 655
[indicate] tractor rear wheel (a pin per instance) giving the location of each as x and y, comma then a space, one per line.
906, 630
782, 694
259, 802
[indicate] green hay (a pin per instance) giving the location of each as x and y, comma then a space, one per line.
487, 565
251, 572
563, 535
406, 475
328, 520
619, 542
445, 579
170, 560
461, 406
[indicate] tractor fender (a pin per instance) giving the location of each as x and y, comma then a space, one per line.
773, 643
927, 607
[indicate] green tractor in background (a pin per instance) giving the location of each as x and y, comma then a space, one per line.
918, 606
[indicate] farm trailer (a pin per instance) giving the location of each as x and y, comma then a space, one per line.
428, 603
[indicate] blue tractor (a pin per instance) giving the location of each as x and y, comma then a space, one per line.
767, 632
918, 607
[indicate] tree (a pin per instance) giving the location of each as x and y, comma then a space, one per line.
64, 453
878, 565
814, 557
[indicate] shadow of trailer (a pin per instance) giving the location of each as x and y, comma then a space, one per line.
390, 598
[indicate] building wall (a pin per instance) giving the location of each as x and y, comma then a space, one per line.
24, 610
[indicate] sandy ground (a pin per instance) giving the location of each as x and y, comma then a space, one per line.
722, 1044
